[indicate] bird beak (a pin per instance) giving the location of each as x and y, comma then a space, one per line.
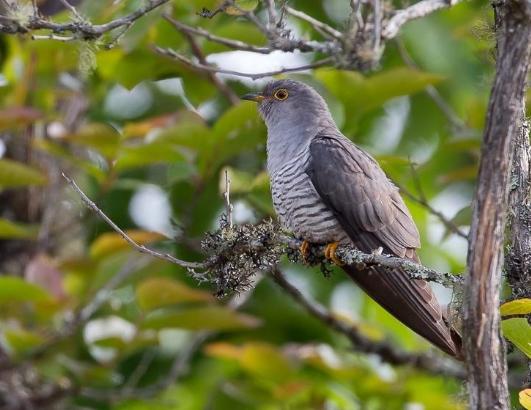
256, 97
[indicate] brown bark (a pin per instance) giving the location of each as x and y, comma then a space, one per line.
518, 264
484, 351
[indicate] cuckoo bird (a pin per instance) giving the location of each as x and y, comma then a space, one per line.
326, 190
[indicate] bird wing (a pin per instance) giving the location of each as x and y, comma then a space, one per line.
372, 213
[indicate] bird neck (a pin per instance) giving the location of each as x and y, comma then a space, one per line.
287, 140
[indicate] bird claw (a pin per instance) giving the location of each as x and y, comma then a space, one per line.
304, 249
330, 253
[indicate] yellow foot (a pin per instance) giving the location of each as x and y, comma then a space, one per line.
304, 249
330, 253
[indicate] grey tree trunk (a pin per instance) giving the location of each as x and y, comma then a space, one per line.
484, 350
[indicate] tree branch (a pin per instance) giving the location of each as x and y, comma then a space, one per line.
484, 351
385, 350
80, 29
140, 248
168, 52
417, 10
214, 79
234, 44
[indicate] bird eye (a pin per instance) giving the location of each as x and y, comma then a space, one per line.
281, 94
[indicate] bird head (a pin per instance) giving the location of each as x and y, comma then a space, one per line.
289, 100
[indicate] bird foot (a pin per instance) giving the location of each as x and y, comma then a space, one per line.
330, 253
304, 249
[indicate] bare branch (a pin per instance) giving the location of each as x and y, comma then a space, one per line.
456, 122
234, 44
272, 13
316, 24
228, 205
417, 10
438, 214
208, 68
385, 350
72, 9
214, 79
140, 248
80, 29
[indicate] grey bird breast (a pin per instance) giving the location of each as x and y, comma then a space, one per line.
299, 206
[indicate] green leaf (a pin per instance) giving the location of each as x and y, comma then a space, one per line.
21, 341
101, 137
518, 331
14, 289
208, 318
15, 230
240, 7
112, 242
15, 174
261, 359
153, 293
361, 94
525, 398
147, 154
516, 307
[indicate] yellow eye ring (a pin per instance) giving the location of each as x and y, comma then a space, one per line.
281, 94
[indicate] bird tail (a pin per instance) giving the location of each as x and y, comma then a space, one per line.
410, 301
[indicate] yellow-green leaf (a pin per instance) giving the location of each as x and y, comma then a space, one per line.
101, 137
14, 230
240, 7
516, 307
15, 174
112, 242
15, 289
518, 331
147, 154
525, 398
261, 359
21, 341
158, 292
208, 318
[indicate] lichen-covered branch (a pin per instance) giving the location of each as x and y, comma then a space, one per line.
78, 28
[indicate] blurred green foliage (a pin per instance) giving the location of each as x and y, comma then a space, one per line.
111, 119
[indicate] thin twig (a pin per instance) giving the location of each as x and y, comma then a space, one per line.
457, 123
417, 10
272, 13
384, 349
377, 25
448, 224
81, 29
72, 9
208, 68
234, 44
316, 24
214, 79
102, 295
140, 248
228, 205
